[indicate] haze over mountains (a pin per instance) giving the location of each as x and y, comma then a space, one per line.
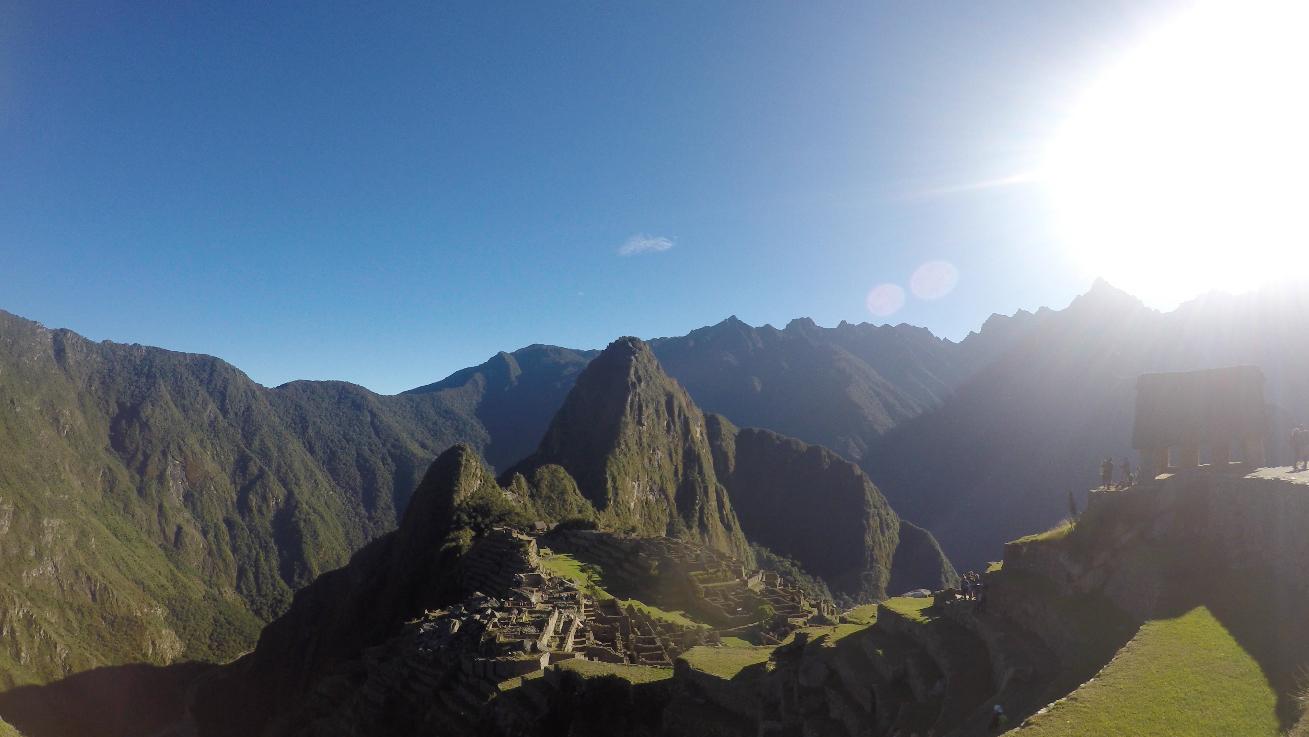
169, 499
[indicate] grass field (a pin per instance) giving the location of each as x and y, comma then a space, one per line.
591, 579
865, 614
908, 606
725, 662
634, 674
1182, 676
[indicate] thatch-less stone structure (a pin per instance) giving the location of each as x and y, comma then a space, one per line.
1179, 415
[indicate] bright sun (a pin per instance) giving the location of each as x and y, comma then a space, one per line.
1185, 167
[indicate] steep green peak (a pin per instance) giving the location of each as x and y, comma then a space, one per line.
454, 476
622, 400
626, 355
638, 449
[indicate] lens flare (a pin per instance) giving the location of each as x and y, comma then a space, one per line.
934, 280
884, 300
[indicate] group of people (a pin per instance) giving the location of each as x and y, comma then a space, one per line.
1127, 477
972, 588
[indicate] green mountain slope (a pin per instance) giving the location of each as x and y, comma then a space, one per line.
512, 396
159, 505
168, 499
809, 504
638, 448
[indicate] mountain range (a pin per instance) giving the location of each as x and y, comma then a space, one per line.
627, 452
171, 502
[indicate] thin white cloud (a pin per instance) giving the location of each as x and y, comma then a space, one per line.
642, 243
1027, 177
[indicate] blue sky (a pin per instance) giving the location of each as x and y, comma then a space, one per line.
333, 190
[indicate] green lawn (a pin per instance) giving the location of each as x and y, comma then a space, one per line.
725, 662
585, 575
833, 633
591, 579
634, 674
1183, 676
866, 614
911, 607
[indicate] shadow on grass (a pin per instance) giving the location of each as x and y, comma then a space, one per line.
117, 701
1262, 620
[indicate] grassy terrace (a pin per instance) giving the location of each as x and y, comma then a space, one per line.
910, 607
725, 662
865, 614
634, 674
591, 579
1182, 676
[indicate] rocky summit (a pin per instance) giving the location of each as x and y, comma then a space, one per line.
639, 450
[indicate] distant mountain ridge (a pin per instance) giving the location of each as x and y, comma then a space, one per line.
640, 460
172, 494
999, 458
227, 496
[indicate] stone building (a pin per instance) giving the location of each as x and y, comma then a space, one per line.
1217, 412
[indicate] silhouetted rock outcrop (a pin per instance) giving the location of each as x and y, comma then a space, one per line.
392, 579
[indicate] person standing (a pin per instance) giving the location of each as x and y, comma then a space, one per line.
1106, 473
1298, 438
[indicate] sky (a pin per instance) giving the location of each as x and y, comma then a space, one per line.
385, 193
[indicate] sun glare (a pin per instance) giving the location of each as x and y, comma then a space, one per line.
1183, 169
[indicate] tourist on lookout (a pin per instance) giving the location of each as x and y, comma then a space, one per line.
1107, 473
998, 718
1298, 441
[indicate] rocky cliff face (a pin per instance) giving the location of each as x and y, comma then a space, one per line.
809, 504
638, 448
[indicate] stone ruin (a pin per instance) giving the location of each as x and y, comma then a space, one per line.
1181, 415
449, 664
713, 587
532, 618
447, 667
